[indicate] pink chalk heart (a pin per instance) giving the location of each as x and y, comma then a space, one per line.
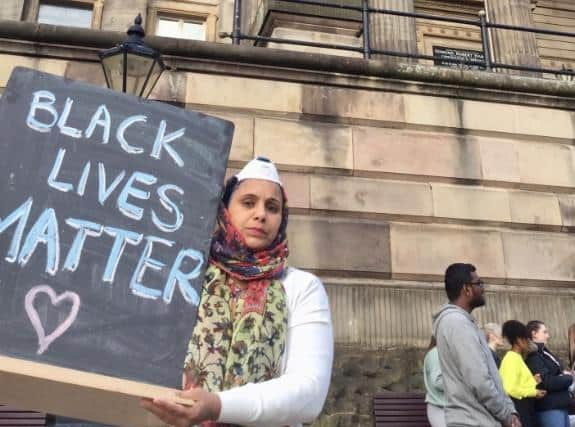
44, 340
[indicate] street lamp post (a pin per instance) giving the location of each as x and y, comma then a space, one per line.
132, 67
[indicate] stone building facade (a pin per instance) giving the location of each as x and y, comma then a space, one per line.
394, 168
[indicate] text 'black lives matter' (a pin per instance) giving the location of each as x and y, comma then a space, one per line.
108, 203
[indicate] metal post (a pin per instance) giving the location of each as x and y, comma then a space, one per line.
125, 71
485, 42
366, 30
237, 28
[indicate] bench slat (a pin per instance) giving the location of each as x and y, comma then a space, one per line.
400, 409
402, 423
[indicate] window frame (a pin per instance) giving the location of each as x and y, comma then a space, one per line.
187, 11
96, 6
181, 19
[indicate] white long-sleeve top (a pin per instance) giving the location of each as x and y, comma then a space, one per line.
298, 395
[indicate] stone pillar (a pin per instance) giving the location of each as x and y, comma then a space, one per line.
513, 47
393, 33
119, 15
11, 10
226, 18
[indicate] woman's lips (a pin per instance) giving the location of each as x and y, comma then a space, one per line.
257, 232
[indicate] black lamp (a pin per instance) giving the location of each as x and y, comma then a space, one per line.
132, 67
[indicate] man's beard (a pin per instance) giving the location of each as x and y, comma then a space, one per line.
478, 302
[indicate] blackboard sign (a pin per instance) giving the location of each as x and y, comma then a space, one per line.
450, 57
107, 208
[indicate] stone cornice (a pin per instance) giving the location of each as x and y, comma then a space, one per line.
30, 39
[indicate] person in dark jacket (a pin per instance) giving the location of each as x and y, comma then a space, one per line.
551, 410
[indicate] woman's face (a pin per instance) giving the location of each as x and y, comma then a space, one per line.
256, 212
523, 344
541, 335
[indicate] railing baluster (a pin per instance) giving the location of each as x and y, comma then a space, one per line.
366, 30
367, 49
237, 25
485, 41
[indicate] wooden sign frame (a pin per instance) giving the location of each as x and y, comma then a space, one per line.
62, 391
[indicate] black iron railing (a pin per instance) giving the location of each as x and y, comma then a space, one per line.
487, 63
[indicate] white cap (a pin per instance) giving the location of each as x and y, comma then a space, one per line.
260, 168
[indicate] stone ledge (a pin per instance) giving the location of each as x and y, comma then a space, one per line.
531, 257
423, 252
327, 243
50, 34
385, 199
369, 195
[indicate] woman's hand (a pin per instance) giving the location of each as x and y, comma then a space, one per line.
205, 406
515, 421
540, 394
537, 378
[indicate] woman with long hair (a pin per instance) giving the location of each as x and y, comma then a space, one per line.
261, 351
551, 410
434, 396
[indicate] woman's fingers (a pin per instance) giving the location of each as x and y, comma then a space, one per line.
170, 412
156, 410
172, 407
203, 406
207, 404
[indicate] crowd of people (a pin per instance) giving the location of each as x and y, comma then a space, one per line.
468, 384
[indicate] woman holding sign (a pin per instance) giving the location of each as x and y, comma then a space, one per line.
262, 348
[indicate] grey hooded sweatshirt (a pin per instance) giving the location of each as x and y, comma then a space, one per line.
473, 388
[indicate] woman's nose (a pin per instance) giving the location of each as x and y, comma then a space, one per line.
260, 213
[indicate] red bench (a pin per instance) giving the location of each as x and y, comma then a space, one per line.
393, 409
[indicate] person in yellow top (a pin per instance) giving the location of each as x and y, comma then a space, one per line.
518, 381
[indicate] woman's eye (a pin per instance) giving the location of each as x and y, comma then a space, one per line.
273, 208
248, 203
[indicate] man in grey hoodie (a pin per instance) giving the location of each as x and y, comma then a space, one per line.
473, 389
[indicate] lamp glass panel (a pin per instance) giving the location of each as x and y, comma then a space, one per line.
137, 72
114, 69
154, 76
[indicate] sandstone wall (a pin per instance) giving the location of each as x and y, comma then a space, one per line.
556, 15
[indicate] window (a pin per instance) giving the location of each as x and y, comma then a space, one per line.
183, 19
71, 14
191, 29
